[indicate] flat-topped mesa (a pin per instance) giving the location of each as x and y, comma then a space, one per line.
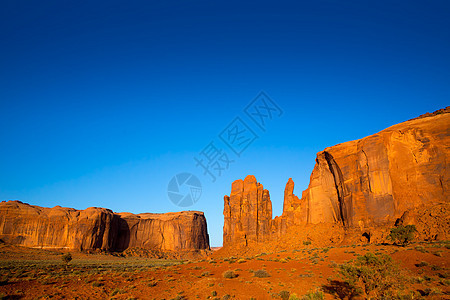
34, 226
247, 213
169, 231
100, 229
360, 186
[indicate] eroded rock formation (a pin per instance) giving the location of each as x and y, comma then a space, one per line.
170, 231
361, 186
247, 212
100, 229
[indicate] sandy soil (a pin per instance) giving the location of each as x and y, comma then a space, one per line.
41, 274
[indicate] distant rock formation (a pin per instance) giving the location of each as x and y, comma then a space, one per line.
247, 212
100, 229
169, 231
363, 187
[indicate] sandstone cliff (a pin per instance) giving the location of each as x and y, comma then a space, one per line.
100, 229
170, 231
360, 187
247, 212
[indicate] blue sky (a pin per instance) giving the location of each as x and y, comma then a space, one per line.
103, 102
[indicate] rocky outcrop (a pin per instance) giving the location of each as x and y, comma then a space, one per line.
375, 180
247, 212
170, 231
34, 226
100, 229
365, 185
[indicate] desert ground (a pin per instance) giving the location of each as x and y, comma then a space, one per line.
306, 273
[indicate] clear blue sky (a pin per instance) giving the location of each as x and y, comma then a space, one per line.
102, 102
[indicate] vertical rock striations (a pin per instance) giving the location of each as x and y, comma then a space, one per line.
170, 231
358, 185
101, 229
34, 226
247, 212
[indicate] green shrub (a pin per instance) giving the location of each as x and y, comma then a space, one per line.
402, 235
293, 296
375, 275
316, 295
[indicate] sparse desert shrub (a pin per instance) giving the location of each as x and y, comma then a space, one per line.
417, 279
294, 296
97, 284
428, 278
432, 291
284, 295
152, 283
226, 297
445, 282
375, 275
116, 291
402, 235
229, 274
261, 274
421, 264
436, 268
421, 249
66, 258
312, 295
306, 243
438, 253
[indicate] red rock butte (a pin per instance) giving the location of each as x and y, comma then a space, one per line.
98, 228
358, 190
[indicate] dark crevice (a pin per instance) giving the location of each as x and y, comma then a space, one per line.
339, 185
367, 169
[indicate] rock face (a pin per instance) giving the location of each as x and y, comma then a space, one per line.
170, 231
247, 212
361, 186
100, 229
